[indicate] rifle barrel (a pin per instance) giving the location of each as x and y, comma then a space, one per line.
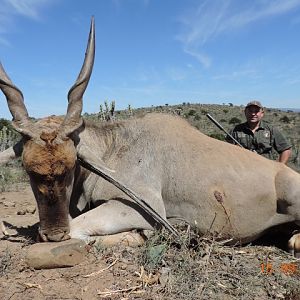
222, 128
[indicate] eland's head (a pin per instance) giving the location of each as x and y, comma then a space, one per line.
49, 149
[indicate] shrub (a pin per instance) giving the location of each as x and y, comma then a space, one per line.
5, 123
218, 136
234, 120
197, 117
192, 112
285, 119
8, 136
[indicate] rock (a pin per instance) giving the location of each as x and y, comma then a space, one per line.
31, 209
9, 204
56, 254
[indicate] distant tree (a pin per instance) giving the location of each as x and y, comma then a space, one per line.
129, 110
225, 111
234, 120
230, 104
203, 111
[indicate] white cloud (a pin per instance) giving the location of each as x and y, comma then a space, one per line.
203, 58
210, 19
238, 74
10, 10
27, 8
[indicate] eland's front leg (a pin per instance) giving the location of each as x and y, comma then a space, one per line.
110, 219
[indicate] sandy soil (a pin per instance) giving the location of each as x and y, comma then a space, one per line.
18, 281
115, 273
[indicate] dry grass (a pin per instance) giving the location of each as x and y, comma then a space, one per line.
203, 268
5, 262
199, 268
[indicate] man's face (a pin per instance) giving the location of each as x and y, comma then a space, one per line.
254, 114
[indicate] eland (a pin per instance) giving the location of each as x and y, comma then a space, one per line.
171, 166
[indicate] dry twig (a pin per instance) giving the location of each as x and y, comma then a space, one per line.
147, 279
31, 285
112, 292
102, 270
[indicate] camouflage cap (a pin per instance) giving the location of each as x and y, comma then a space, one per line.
254, 103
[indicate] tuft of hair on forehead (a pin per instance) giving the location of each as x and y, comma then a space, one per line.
51, 159
48, 137
49, 123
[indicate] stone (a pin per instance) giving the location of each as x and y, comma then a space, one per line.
56, 254
9, 204
21, 212
31, 209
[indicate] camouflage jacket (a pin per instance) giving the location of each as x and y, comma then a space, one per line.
264, 140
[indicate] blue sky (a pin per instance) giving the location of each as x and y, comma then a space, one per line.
152, 52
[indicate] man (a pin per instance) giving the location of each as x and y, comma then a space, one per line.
259, 136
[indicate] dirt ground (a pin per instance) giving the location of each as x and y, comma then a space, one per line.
205, 270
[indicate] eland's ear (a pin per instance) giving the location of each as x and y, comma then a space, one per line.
73, 118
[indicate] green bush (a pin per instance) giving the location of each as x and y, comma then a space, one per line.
8, 136
5, 123
197, 117
218, 136
285, 119
235, 120
191, 112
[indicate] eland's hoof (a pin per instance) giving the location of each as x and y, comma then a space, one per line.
294, 245
131, 239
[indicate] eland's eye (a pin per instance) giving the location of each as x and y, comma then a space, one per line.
37, 177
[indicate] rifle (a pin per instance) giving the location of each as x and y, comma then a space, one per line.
221, 127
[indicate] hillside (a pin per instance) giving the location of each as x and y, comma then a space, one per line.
227, 115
